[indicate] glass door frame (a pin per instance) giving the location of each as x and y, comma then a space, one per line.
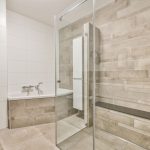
66, 11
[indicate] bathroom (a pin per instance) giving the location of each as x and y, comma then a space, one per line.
74, 75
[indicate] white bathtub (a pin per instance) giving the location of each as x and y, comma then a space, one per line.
19, 96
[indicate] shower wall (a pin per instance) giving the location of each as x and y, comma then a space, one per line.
3, 66
124, 70
125, 53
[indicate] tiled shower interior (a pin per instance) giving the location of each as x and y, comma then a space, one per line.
122, 108
122, 76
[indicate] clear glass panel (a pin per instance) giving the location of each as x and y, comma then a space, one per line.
74, 68
122, 95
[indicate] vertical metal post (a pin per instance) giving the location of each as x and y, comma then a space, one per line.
94, 79
55, 48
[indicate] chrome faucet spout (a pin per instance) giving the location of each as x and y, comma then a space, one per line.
37, 87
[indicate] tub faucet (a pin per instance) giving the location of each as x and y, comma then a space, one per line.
37, 87
27, 89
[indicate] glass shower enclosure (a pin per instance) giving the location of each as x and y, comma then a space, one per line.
102, 80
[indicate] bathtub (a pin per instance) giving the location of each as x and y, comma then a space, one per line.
37, 109
20, 96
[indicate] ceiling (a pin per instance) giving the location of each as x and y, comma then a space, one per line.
44, 10
41, 10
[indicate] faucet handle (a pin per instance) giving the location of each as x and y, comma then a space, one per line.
24, 87
31, 86
40, 83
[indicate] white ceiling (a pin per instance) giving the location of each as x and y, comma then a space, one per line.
81, 11
44, 10
41, 10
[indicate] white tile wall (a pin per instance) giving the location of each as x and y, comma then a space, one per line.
3, 66
30, 53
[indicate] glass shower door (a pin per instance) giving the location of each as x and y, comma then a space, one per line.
74, 48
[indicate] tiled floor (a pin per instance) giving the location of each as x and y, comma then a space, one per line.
104, 141
68, 127
40, 137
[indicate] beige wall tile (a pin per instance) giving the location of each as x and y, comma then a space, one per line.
24, 113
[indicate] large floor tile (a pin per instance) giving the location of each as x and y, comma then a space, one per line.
103, 141
65, 130
28, 138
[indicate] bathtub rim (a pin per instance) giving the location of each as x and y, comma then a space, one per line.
18, 96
